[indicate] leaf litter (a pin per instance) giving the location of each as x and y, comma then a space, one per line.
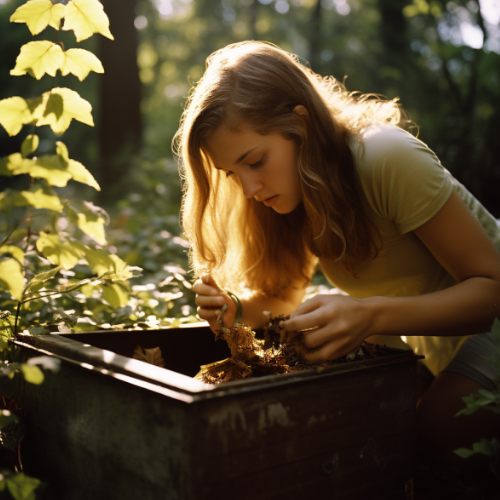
278, 352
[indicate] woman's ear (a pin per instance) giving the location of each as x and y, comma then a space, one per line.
301, 110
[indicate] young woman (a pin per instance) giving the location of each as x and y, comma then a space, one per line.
284, 169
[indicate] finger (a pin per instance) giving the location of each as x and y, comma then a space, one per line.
306, 307
210, 301
303, 322
208, 314
317, 337
328, 352
208, 279
202, 289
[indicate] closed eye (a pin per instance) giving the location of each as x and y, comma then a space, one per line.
258, 163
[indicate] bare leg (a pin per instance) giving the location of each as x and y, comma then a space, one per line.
439, 432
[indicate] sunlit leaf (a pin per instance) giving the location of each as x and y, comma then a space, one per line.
76, 169
38, 58
59, 252
90, 219
38, 199
80, 63
115, 295
16, 252
59, 107
86, 17
32, 374
52, 168
11, 278
39, 279
14, 113
29, 145
9, 165
38, 14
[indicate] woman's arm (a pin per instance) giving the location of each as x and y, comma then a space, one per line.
210, 298
462, 247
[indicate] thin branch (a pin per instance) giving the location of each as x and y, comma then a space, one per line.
6, 239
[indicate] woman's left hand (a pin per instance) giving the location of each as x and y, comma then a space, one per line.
339, 324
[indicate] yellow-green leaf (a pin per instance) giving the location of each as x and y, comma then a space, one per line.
86, 17
32, 374
90, 219
29, 145
59, 252
14, 113
75, 168
9, 165
38, 58
115, 295
16, 252
81, 174
52, 168
80, 63
11, 278
38, 14
59, 107
99, 261
38, 199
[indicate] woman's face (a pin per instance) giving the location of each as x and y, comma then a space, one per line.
264, 166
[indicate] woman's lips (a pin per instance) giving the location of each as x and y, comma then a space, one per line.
271, 201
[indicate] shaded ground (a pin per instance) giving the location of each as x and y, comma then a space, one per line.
431, 484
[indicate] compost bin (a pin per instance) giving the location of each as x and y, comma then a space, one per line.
111, 427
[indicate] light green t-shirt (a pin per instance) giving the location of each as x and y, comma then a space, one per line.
405, 185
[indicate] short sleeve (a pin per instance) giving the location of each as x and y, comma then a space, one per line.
402, 178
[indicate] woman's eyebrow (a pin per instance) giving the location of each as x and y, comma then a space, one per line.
244, 155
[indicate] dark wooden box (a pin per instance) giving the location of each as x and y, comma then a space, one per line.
111, 427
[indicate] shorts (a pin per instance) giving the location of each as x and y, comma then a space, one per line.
473, 360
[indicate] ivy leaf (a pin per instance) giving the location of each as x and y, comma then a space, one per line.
14, 113
32, 374
29, 145
49, 167
11, 278
86, 17
38, 280
80, 63
61, 105
76, 169
38, 58
35, 198
90, 219
9, 165
38, 14
59, 252
16, 252
115, 295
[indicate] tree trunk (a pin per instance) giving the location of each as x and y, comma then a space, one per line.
120, 93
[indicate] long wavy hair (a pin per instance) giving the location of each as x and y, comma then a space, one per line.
256, 86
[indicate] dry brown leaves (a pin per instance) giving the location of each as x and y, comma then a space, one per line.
152, 356
278, 352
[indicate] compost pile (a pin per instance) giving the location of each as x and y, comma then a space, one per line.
278, 352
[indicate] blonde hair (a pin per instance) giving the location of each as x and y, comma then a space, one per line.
257, 86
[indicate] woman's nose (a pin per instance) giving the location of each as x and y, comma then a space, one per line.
250, 184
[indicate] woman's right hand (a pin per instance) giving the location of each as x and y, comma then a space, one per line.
210, 299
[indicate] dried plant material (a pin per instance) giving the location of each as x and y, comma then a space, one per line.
278, 352
152, 356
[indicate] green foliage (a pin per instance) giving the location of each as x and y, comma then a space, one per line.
485, 400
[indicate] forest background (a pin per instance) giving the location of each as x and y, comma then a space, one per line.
441, 58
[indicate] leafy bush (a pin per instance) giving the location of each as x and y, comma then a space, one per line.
485, 400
